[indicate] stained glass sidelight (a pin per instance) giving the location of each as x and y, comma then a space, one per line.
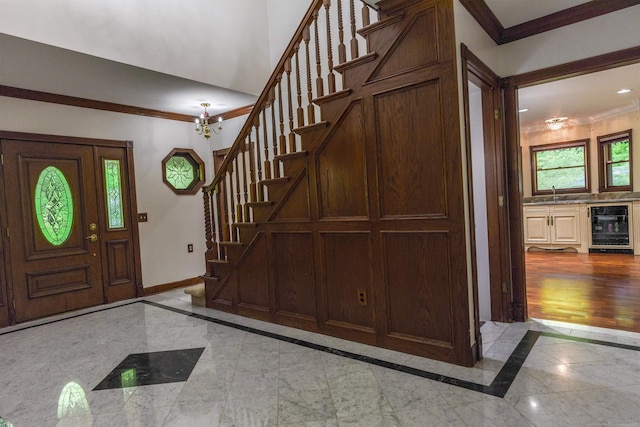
113, 188
54, 205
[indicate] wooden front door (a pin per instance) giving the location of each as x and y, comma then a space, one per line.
70, 240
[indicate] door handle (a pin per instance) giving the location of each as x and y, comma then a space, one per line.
93, 238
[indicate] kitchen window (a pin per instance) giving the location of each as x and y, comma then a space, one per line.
615, 164
561, 167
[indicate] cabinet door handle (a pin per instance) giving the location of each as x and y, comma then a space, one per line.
552, 221
547, 220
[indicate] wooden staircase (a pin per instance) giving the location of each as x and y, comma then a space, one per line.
273, 147
299, 228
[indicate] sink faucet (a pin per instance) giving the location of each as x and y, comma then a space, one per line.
553, 188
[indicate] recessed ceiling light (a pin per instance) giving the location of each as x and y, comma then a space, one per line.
523, 110
624, 91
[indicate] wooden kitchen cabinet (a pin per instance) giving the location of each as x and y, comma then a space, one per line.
554, 226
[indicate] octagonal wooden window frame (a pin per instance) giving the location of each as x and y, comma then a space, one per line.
195, 160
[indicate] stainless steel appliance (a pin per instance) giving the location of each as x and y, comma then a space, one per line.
610, 229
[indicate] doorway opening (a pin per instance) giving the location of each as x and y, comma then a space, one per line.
598, 289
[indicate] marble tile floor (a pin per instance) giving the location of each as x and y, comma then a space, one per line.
159, 361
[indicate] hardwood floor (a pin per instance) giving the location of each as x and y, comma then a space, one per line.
588, 289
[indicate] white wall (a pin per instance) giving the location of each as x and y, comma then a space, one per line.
194, 40
615, 31
283, 16
469, 32
480, 202
174, 221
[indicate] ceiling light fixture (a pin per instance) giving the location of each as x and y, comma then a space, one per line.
202, 123
555, 123
621, 91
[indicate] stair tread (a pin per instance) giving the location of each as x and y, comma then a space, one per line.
309, 128
335, 95
280, 180
289, 156
218, 261
265, 203
244, 224
355, 62
364, 31
229, 243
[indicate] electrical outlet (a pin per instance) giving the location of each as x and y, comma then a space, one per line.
362, 298
142, 217
190, 247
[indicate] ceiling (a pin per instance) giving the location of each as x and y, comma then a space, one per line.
45, 68
581, 99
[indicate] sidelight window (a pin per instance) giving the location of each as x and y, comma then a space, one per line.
113, 189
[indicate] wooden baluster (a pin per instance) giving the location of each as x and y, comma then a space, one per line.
366, 19
276, 166
254, 149
300, 110
221, 225
292, 135
267, 163
311, 113
282, 138
238, 204
209, 232
354, 41
331, 78
342, 49
231, 209
319, 81
245, 178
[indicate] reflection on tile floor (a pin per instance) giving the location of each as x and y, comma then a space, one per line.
250, 373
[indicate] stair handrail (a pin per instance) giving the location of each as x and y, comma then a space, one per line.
264, 96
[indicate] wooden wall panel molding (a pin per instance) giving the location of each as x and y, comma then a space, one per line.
419, 35
295, 284
342, 281
253, 274
341, 170
412, 165
295, 204
418, 295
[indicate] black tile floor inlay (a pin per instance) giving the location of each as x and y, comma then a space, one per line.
143, 365
159, 367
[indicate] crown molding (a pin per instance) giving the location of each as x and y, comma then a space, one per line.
34, 95
500, 35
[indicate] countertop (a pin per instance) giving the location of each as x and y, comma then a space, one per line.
625, 196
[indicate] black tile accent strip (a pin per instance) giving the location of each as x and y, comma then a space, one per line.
498, 387
73, 316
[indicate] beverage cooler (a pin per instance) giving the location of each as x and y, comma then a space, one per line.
610, 229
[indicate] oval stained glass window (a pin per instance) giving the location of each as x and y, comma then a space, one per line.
54, 205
